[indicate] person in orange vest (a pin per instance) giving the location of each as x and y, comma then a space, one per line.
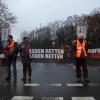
81, 55
9, 52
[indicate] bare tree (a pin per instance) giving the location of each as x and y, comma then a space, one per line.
5, 15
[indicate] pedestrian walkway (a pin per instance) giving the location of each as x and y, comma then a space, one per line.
53, 85
51, 98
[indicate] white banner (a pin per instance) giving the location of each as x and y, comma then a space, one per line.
46, 53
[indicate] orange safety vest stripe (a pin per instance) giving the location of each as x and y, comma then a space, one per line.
11, 45
80, 47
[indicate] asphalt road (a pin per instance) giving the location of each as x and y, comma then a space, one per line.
50, 81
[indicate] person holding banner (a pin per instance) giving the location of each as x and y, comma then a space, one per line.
81, 55
25, 59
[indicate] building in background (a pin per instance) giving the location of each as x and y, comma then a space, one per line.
5, 30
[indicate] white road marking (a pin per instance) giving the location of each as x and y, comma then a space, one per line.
74, 84
52, 98
32, 84
59, 84
54, 84
83, 98
59, 67
22, 98
93, 84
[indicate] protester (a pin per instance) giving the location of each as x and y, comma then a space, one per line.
81, 55
10, 52
25, 58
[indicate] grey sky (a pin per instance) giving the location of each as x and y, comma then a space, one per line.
31, 13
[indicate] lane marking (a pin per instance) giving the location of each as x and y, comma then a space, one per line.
52, 98
93, 84
22, 98
83, 98
82, 84
59, 84
31, 84
59, 67
54, 84
75, 84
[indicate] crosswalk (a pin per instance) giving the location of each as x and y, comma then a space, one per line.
55, 98
60, 84
50, 98
30, 84
55, 84
22, 98
74, 84
83, 98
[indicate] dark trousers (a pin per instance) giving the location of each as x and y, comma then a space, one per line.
27, 68
81, 64
11, 60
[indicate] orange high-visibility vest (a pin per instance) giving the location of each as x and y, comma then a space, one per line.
80, 47
11, 47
